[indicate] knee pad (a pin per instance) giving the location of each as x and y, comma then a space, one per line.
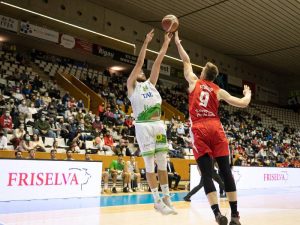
161, 160
228, 180
208, 184
149, 164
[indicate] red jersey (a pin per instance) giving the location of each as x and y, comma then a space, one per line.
203, 101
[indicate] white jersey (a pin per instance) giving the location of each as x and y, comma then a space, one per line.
146, 102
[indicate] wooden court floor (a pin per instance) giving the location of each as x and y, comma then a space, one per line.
281, 207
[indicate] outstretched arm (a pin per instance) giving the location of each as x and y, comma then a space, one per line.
139, 64
238, 102
156, 65
187, 66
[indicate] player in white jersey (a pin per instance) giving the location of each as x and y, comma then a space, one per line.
150, 131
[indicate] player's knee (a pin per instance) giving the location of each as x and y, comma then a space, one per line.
149, 164
161, 161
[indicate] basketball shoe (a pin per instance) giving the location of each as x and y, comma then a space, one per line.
161, 207
221, 220
235, 220
168, 203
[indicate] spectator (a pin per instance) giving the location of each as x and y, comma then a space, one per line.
53, 154
18, 95
37, 143
101, 110
69, 155
118, 171
100, 145
25, 144
23, 109
79, 116
31, 154
18, 154
6, 122
88, 156
108, 141
172, 175
42, 127
3, 140
135, 174
80, 104
18, 135
97, 124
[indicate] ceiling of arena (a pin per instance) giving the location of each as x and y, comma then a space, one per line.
264, 33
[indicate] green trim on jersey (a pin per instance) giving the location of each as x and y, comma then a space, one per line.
161, 150
150, 112
148, 153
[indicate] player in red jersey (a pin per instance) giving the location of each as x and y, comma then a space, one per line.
208, 135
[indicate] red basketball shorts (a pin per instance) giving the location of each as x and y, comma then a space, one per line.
208, 137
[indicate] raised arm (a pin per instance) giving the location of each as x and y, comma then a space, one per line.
139, 64
187, 66
238, 102
156, 65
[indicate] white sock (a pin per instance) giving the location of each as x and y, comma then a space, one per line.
155, 194
139, 185
129, 185
105, 186
165, 189
114, 185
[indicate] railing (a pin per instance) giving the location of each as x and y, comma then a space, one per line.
170, 111
72, 89
95, 99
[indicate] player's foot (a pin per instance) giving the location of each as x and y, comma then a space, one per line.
235, 220
114, 190
187, 198
221, 220
168, 202
161, 207
130, 190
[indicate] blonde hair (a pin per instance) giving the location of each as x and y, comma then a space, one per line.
210, 71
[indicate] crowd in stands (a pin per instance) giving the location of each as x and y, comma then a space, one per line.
33, 110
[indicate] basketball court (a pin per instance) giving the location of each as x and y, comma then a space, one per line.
259, 206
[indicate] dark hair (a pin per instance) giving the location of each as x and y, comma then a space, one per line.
210, 71
53, 150
16, 152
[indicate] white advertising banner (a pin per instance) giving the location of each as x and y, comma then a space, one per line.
164, 69
67, 41
45, 179
8, 23
257, 177
39, 32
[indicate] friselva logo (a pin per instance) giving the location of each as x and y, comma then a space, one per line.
72, 177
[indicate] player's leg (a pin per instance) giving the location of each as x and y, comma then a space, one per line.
161, 161
127, 181
137, 177
105, 177
147, 141
206, 167
153, 184
230, 187
161, 151
177, 180
194, 191
114, 180
216, 177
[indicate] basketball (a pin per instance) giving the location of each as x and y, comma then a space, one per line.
170, 23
